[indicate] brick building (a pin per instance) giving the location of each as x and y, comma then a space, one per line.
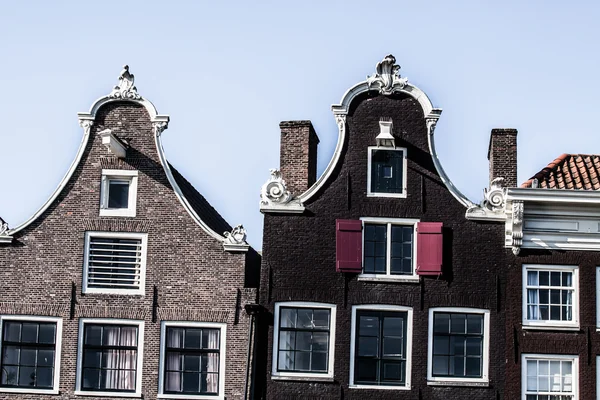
126, 283
373, 282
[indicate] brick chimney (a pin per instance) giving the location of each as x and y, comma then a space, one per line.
502, 155
298, 156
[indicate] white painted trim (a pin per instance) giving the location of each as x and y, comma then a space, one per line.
341, 110
409, 338
222, 358
387, 277
554, 195
143, 236
140, 358
450, 381
331, 356
404, 192
551, 357
550, 325
123, 174
57, 350
597, 378
598, 302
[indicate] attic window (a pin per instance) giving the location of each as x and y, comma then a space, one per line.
387, 172
118, 194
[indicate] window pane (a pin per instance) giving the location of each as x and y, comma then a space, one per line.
288, 318
175, 337
393, 326
321, 319
392, 371
392, 347
320, 341
191, 382
93, 335
366, 370
118, 193
441, 322
368, 326
367, 346
319, 362
440, 366
193, 338
10, 355
26, 376
47, 333
441, 345
10, 375
287, 340
474, 324
302, 361
44, 377
12, 331
28, 356
458, 323
386, 171
29, 333
305, 318
303, 341
473, 366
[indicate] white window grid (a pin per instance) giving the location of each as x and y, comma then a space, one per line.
57, 351
562, 298
370, 150
311, 376
139, 265
444, 380
117, 174
388, 276
546, 376
139, 363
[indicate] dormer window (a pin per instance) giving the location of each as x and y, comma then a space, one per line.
118, 193
387, 172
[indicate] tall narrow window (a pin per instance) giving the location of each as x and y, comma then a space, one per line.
193, 359
381, 347
304, 343
550, 297
387, 172
458, 344
110, 356
30, 357
547, 376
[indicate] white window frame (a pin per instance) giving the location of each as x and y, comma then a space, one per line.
598, 304
388, 277
130, 235
121, 174
57, 351
308, 376
140, 357
461, 381
222, 343
550, 324
551, 357
597, 377
402, 195
409, 336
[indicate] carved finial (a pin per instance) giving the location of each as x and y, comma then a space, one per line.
387, 78
494, 197
3, 228
274, 190
236, 236
160, 126
125, 89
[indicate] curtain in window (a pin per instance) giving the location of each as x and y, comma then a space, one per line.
173, 380
532, 296
568, 295
127, 362
111, 338
212, 379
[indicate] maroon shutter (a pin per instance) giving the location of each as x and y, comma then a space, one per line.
429, 248
348, 239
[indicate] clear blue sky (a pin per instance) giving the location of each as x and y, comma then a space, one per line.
228, 72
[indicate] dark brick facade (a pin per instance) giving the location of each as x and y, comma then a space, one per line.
298, 155
502, 154
299, 259
194, 278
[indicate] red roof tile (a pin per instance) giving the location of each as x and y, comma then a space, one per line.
569, 171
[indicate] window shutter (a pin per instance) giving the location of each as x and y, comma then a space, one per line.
429, 248
348, 245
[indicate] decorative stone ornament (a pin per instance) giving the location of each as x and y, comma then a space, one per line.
4, 236
494, 197
125, 89
387, 76
236, 239
514, 227
274, 196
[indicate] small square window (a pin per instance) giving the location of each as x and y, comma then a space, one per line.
118, 195
30, 354
550, 297
387, 172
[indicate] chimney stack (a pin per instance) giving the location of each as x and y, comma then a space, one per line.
298, 155
502, 155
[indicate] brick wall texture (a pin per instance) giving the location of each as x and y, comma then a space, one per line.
502, 154
298, 261
298, 157
195, 279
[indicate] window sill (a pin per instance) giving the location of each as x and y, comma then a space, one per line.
28, 390
192, 396
396, 195
459, 383
135, 292
304, 378
125, 212
552, 327
389, 279
376, 387
106, 394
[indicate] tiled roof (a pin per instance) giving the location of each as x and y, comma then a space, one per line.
200, 205
569, 171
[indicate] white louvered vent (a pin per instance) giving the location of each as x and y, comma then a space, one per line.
115, 263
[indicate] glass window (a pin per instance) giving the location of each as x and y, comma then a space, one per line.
192, 360
380, 353
303, 344
549, 378
28, 354
109, 359
387, 171
549, 295
118, 193
388, 249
